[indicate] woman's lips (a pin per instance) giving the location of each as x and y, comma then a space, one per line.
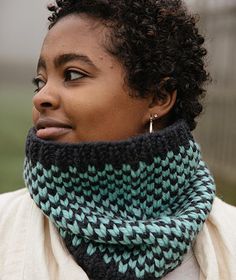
52, 132
51, 129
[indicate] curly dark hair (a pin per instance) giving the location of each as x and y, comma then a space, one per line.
159, 44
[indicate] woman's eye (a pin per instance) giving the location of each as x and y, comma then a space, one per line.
38, 83
71, 75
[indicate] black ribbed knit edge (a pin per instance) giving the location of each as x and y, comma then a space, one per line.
133, 150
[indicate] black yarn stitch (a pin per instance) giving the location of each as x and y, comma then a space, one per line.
115, 153
156, 210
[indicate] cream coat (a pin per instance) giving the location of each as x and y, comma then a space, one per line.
31, 249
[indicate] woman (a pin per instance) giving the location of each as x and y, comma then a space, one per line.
116, 187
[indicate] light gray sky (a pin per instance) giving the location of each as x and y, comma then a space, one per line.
23, 25
22, 28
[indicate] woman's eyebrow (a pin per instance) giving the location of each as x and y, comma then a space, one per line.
64, 58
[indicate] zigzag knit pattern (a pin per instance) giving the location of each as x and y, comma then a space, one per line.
127, 209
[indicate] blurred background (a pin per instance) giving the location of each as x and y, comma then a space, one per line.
23, 25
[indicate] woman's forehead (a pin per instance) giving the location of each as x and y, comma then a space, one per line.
76, 34
77, 27
78, 38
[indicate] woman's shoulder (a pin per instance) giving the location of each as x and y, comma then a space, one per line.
223, 212
12, 201
222, 219
215, 245
14, 208
15, 212
8, 196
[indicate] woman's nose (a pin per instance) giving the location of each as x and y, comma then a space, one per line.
46, 99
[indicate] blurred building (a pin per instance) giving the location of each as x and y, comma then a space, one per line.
217, 130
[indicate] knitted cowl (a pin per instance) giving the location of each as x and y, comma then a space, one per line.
126, 209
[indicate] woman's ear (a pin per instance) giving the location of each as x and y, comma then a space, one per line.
162, 105
159, 109
163, 98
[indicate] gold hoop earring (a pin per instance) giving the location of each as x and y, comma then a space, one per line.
152, 118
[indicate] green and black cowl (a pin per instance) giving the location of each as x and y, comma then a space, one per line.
126, 209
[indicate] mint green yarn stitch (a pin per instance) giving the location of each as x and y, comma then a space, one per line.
141, 210
43, 193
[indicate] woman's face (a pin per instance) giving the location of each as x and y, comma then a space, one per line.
81, 94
